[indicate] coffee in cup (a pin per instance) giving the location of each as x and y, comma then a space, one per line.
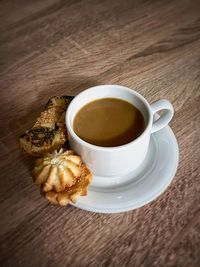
108, 122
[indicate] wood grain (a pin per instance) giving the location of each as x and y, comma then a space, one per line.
55, 47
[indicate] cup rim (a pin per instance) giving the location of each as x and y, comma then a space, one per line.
91, 146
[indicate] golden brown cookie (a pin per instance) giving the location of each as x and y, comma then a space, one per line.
57, 171
62, 177
70, 194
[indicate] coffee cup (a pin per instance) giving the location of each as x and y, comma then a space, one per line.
118, 160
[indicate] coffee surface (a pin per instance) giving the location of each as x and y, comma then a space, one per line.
108, 122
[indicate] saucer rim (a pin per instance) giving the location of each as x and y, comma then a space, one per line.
150, 198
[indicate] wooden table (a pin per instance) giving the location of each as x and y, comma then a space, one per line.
53, 47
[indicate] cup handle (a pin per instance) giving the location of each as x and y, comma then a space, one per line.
161, 122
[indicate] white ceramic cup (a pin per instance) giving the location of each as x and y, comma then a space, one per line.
119, 160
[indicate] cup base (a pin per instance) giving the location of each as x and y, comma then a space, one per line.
123, 179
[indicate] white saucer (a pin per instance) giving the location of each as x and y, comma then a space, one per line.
142, 185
